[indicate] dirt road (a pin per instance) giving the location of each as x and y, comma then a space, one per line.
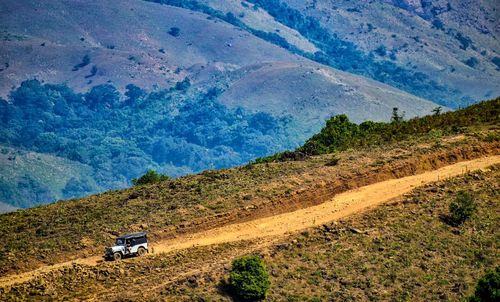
342, 205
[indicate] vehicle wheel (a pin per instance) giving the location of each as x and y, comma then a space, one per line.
141, 251
117, 256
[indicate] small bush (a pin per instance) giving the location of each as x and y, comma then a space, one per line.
85, 62
149, 178
488, 287
472, 62
174, 31
461, 209
249, 279
183, 85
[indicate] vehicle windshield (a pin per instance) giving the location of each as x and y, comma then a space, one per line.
119, 242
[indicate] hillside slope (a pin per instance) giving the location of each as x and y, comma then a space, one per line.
46, 43
450, 46
200, 100
394, 237
453, 42
28, 179
43, 235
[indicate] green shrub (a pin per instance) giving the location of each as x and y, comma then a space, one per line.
461, 209
174, 31
249, 279
488, 287
340, 134
149, 178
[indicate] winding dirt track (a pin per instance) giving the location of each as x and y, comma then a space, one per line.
340, 206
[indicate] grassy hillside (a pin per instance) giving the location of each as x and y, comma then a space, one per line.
448, 44
399, 251
29, 178
44, 234
403, 252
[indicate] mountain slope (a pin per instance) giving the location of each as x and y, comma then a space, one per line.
265, 98
29, 178
47, 44
453, 42
61, 231
65, 239
445, 51
206, 50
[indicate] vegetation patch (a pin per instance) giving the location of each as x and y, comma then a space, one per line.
249, 279
461, 209
341, 134
85, 62
488, 287
150, 177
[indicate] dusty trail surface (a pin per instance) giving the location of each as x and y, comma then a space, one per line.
340, 206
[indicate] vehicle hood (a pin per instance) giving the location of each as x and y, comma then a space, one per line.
116, 248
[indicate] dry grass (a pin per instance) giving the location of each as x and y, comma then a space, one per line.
398, 252
70, 229
402, 251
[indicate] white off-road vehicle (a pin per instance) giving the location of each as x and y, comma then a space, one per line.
135, 244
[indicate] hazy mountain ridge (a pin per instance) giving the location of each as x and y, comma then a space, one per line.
266, 98
453, 42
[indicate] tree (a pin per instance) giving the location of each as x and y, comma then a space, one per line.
249, 278
149, 178
102, 96
174, 31
183, 85
396, 117
337, 132
437, 110
133, 93
472, 62
381, 50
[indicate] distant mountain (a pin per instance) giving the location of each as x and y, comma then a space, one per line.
445, 51
116, 88
83, 44
453, 42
